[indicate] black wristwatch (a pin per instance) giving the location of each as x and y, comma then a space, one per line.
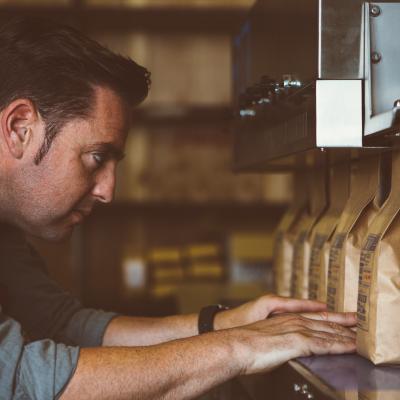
207, 315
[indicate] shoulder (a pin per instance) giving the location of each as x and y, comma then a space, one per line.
16, 251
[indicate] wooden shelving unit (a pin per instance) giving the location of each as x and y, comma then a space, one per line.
124, 19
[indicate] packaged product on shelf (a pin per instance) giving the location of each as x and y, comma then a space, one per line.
368, 192
317, 188
379, 281
350, 395
387, 394
339, 183
285, 236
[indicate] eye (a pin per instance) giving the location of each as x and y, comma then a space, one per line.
99, 158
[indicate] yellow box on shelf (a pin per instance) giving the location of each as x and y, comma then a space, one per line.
164, 255
163, 290
168, 273
203, 250
165, 265
251, 246
206, 270
204, 261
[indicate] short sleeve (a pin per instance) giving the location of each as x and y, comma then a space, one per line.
86, 328
39, 304
33, 299
39, 370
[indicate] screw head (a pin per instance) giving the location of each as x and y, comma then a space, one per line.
396, 104
375, 10
376, 57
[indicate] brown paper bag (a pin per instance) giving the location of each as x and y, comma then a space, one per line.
339, 183
378, 395
285, 237
301, 253
378, 334
349, 395
345, 251
348, 288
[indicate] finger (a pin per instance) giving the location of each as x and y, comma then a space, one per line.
329, 327
285, 304
333, 346
320, 343
345, 319
312, 321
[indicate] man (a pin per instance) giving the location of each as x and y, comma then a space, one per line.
64, 115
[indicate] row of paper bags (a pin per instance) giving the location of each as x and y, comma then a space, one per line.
340, 243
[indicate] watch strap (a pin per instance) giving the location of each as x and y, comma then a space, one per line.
207, 315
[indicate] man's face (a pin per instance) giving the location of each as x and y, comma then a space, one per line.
77, 172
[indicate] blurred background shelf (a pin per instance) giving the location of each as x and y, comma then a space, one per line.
177, 196
121, 17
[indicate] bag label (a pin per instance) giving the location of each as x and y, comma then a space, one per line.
364, 282
298, 261
277, 254
315, 265
334, 269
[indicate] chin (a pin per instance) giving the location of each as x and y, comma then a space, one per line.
53, 234
58, 236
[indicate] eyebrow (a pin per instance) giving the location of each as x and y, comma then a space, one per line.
109, 148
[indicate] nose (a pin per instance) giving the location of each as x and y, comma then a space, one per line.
104, 187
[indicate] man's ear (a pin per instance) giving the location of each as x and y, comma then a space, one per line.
16, 124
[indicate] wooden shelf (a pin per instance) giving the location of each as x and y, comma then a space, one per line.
125, 19
119, 207
154, 115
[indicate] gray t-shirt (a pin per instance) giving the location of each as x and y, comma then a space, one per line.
42, 326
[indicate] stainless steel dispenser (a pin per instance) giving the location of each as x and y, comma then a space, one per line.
315, 74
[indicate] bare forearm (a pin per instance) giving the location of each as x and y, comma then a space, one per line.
181, 369
136, 331
186, 368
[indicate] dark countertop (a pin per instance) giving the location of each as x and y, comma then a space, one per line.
335, 377
349, 373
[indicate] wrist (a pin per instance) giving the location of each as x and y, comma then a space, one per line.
207, 318
222, 320
241, 354
232, 344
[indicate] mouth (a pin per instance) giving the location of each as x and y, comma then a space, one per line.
79, 215
84, 212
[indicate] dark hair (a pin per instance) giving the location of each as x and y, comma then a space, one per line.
57, 68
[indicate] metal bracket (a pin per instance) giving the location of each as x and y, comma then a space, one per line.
381, 60
339, 113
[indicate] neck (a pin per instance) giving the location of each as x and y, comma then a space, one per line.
7, 201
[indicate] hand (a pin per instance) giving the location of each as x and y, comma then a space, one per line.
262, 308
267, 344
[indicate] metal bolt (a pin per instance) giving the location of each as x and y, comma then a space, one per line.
376, 57
304, 389
310, 396
375, 10
296, 387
